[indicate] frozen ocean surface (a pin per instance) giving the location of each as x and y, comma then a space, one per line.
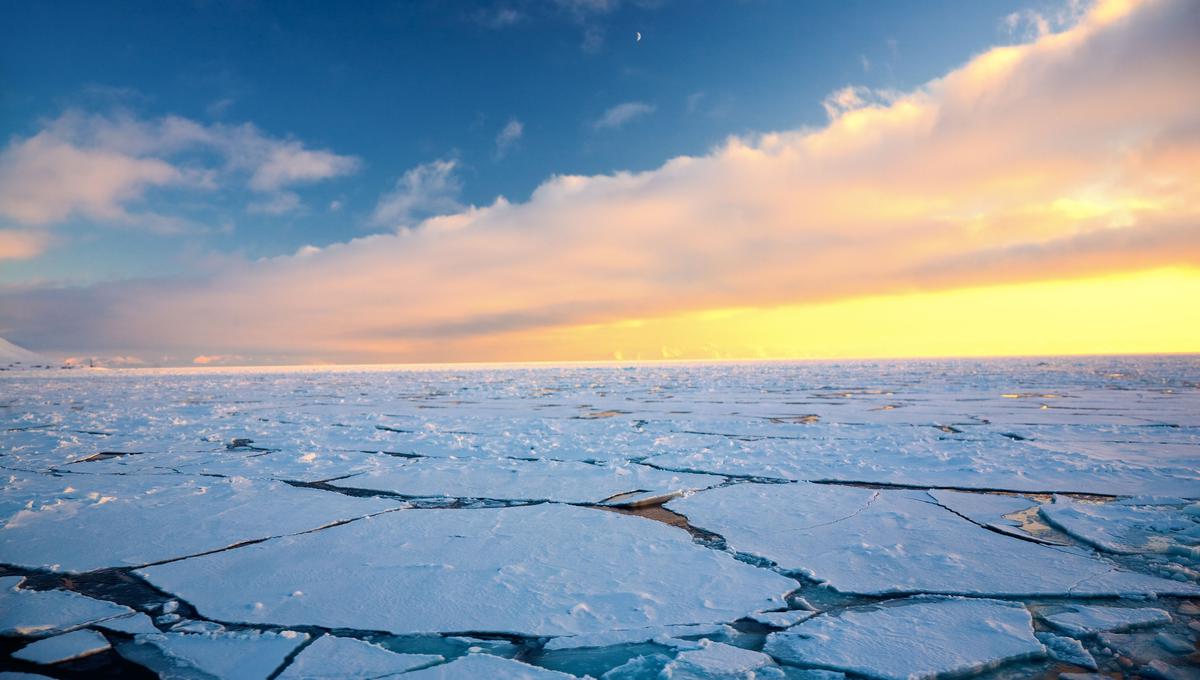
993, 518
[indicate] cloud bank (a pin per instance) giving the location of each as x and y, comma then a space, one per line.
1074, 154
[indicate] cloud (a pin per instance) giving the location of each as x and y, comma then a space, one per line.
279, 203
21, 244
621, 114
98, 166
426, 190
508, 136
1072, 155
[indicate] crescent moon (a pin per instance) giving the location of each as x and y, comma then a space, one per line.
639, 36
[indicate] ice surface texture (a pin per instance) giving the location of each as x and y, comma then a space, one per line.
532, 570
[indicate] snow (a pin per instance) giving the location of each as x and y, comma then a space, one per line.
988, 510
530, 570
96, 521
874, 542
338, 657
63, 647
11, 355
716, 661
231, 656
1067, 650
474, 666
1085, 620
915, 638
567, 482
45, 612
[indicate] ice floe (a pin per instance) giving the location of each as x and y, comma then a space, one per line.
531, 570
63, 647
339, 657
45, 612
475, 666
231, 656
718, 661
1090, 620
876, 542
91, 522
1131, 525
1067, 650
916, 638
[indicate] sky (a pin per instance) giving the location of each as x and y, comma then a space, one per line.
252, 182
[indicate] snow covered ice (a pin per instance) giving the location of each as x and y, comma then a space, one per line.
998, 518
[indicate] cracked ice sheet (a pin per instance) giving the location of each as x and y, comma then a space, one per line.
82, 523
1131, 525
890, 542
921, 457
532, 570
566, 482
63, 647
916, 638
341, 657
1083, 620
44, 612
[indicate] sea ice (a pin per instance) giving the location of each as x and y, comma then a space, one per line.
45, 612
103, 521
1132, 525
986, 509
132, 624
1090, 620
921, 637
784, 619
1067, 650
339, 657
658, 634
230, 656
63, 647
567, 482
887, 542
716, 661
532, 570
476, 666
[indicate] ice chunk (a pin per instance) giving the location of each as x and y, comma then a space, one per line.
474, 666
568, 482
783, 619
921, 637
660, 634
1067, 650
533, 570
1157, 526
638, 668
888, 542
44, 612
339, 657
63, 647
231, 656
132, 624
1089, 620
716, 661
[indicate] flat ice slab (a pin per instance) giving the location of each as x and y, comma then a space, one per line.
1131, 525
339, 657
917, 638
662, 634
230, 656
1085, 620
476, 666
45, 612
90, 522
716, 661
533, 570
63, 647
890, 542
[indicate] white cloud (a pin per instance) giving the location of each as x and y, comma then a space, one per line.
97, 166
277, 204
508, 136
21, 244
621, 114
429, 189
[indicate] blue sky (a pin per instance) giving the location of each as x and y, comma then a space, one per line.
401, 84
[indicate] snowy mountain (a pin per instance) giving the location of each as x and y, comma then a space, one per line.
14, 354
